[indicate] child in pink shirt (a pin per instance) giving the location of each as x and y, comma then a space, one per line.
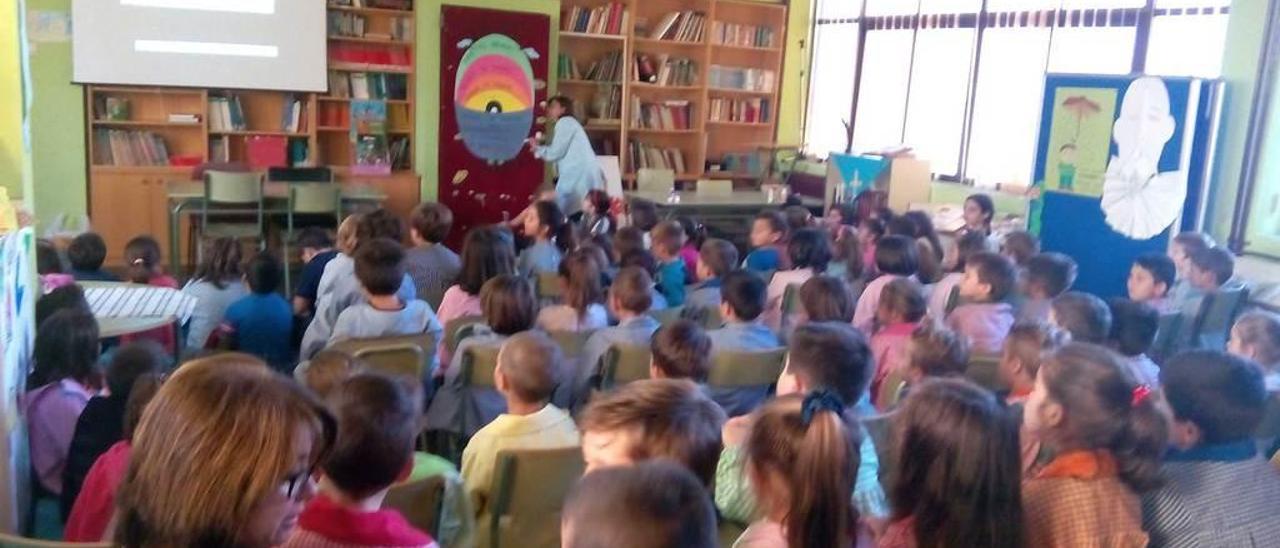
985, 317
142, 256
896, 257
486, 253
901, 308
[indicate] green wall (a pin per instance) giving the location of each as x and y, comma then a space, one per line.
58, 155
795, 74
11, 158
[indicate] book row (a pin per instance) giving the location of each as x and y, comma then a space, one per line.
645, 155
610, 18
747, 79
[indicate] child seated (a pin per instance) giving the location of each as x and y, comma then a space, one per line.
1025, 347
61, 298
64, 378
653, 419
896, 257
870, 231
846, 258
1256, 336
1083, 315
1045, 277
644, 260
1107, 434
380, 270
1151, 278
529, 368
217, 282
1133, 329
644, 216
629, 301
317, 249
694, 236
957, 482
767, 238
1213, 269
743, 297
809, 252
552, 235
822, 357
797, 217
826, 299
650, 504
142, 260
801, 460
1019, 246
326, 371
940, 297
432, 266
86, 253
681, 350
715, 259
458, 407
262, 322
377, 426
487, 252
933, 352
1180, 250
1218, 490
901, 309
581, 294
668, 238
49, 267
985, 317
626, 240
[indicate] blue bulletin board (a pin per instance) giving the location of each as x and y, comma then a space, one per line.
1096, 158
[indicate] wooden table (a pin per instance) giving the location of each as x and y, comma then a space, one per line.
184, 195
726, 215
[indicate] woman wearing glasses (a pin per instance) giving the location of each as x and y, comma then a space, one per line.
222, 457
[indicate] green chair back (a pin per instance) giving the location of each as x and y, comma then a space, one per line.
880, 429
419, 502
953, 299
791, 299
731, 369
624, 363
529, 488
12, 541
985, 372
667, 315
1269, 428
454, 330
570, 342
228, 187
315, 198
1166, 342
1218, 313
655, 180
405, 355
478, 365
548, 288
890, 389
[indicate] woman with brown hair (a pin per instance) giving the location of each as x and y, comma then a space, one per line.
223, 456
217, 282
958, 479
580, 285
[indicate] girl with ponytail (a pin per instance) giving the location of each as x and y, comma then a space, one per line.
801, 460
1107, 433
553, 238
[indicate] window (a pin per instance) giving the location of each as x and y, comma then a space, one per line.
917, 83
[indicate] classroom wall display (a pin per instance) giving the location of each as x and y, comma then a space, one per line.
492, 85
1151, 127
17, 333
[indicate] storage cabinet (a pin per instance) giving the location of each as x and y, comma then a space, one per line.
124, 203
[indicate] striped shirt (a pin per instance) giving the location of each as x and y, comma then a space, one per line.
1078, 501
1216, 496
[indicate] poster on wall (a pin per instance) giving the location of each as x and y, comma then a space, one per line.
17, 333
1080, 139
492, 88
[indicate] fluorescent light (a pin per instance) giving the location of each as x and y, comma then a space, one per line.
238, 6
206, 48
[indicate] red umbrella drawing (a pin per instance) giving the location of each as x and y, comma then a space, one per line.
1083, 108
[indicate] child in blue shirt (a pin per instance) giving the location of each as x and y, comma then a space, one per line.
715, 259
553, 237
668, 238
262, 321
768, 235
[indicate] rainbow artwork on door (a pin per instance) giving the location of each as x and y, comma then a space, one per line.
494, 97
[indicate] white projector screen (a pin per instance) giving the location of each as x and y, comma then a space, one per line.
254, 44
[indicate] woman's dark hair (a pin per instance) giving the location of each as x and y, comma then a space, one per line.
961, 478
221, 263
508, 304
694, 232
897, 255
550, 216
67, 347
924, 229
565, 102
48, 261
581, 275
141, 257
1102, 411
61, 298
809, 248
987, 206
486, 252
827, 299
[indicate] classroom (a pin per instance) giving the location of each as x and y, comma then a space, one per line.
639, 273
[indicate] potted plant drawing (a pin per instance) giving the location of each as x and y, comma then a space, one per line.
1083, 108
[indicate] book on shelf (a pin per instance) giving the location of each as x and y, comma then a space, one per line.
645, 155
741, 78
734, 34
370, 54
751, 111
611, 18
665, 70
219, 148
567, 68
119, 147
226, 113
667, 115
368, 85
293, 117
368, 117
183, 118
608, 68
342, 23
299, 153
402, 29
372, 156
380, 4
606, 103
109, 108
680, 26
264, 151
400, 153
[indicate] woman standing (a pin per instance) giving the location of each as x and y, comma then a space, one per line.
570, 149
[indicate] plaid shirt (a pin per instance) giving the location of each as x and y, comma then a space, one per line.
1078, 501
1216, 496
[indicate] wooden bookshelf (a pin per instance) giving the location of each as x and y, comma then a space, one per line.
129, 171
751, 38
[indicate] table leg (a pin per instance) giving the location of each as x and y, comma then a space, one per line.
175, 229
